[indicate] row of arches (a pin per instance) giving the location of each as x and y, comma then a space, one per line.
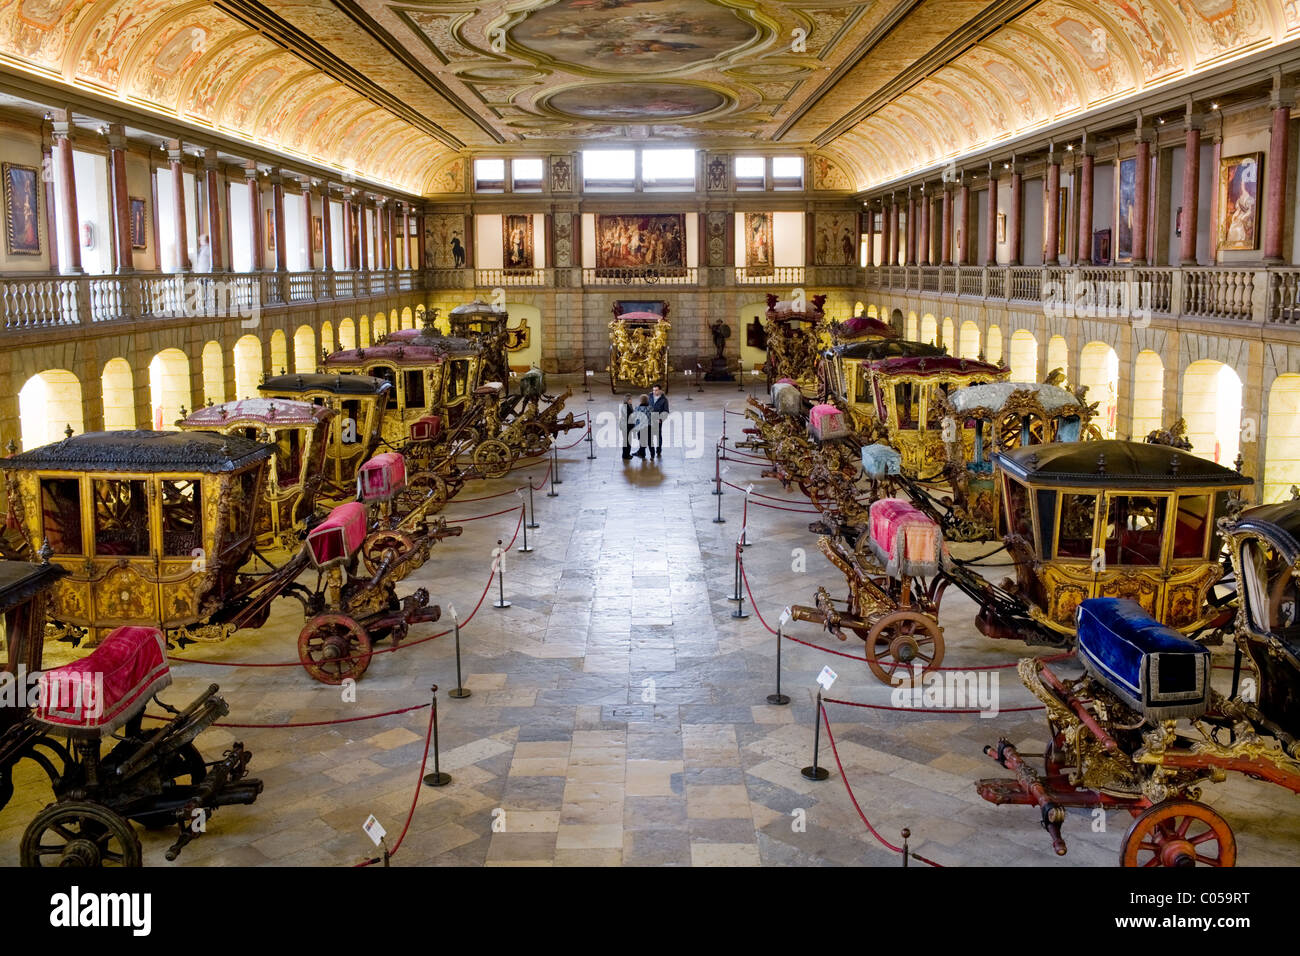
52, 401
1210, 393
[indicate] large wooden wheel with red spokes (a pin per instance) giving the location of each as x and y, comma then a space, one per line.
900, 641
1179, 833
334, 647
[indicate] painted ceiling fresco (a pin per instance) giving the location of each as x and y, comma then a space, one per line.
392, 90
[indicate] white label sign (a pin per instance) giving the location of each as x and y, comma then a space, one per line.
826, 678
785, 616
374, 829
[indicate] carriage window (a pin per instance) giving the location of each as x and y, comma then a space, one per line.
121, 516
385, 373
1134, 529
458, 383
908, 399
350, 422
243, 502
182, 518
288, 457
1074, 537
1189, 529
1018, 520
1046, 518
415, 389
61, 513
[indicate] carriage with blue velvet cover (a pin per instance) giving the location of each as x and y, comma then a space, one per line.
1142, 728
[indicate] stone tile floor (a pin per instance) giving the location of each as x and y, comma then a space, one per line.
618, 713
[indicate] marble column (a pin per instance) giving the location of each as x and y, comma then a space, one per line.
911, 229
327, 230
991, 227
306, 227
420, 247
1141, 198
1191, 193
363, 235
923, 230
175, 156
215, 228
255, 215
1275, 207
869, 215
277, 200
891, 232
1016, 218
66, 182
1052, 234
349, 230
121, 204
945, 231
1086, 163
963, 230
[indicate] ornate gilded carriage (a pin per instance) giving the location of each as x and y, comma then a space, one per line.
794, 336
1106, 519
152, 527
300, 433
910, 393
844, 373
359, 402
638, 345
435, 380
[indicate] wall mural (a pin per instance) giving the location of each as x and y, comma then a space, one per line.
1239, 201
517, 237
835, 239
639, 241
758, 243
639, 102
444, 241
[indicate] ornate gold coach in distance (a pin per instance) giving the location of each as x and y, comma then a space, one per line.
844, 373
638, 345
437, 380
151, 526
910, 392
794, 336
300, 432
359, 402
1114, 519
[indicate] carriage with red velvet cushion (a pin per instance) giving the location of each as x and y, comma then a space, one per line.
82, 724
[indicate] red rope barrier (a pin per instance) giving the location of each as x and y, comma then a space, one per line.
801, 511
306, 723
857, 806
929, 710
419, 782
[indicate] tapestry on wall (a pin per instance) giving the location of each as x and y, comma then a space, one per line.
758, 243
444, 241
1127, 200
634, 242
835, 238
518, 242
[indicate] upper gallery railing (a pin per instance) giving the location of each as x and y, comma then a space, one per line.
1235, 294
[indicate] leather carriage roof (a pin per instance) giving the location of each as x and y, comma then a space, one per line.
339, 383
1279, 523
934, 364
884, 348
268, 411
1112, 462
143, 451
21, 581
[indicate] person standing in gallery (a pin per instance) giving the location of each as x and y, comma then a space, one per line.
658, 411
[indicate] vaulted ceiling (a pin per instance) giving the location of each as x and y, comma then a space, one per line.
392, 89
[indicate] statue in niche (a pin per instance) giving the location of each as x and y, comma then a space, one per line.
718, 373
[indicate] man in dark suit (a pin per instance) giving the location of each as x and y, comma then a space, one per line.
625, 414
658, 410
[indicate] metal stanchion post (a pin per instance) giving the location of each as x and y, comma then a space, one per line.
717, 475
739, 613
532, 512
906, 850
719, 519
525, 549
586, 383
815, 772
553, 493
437, 778
744, 517
591, 444
687, 372
778, 697
460, 691
555, 464
501, 576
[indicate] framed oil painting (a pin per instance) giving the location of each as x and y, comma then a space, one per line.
1002, 227
22, 210
758, 243
657, 239
139, 221
1239, 201
270, 229
518, 242
317, 234
1127, 200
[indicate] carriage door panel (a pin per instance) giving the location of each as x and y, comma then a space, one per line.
124, 584
64, 521
1132, 544
182, 556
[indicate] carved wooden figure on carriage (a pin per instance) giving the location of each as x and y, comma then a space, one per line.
638, 345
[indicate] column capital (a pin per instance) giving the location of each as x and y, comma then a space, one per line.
277, 177
175, 150
61, 123
250, 171
116, 136
210, 159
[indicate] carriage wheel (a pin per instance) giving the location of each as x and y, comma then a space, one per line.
334, 647
901, 640
79, 834
1179, 833
492, 458
536, 439
373, 548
